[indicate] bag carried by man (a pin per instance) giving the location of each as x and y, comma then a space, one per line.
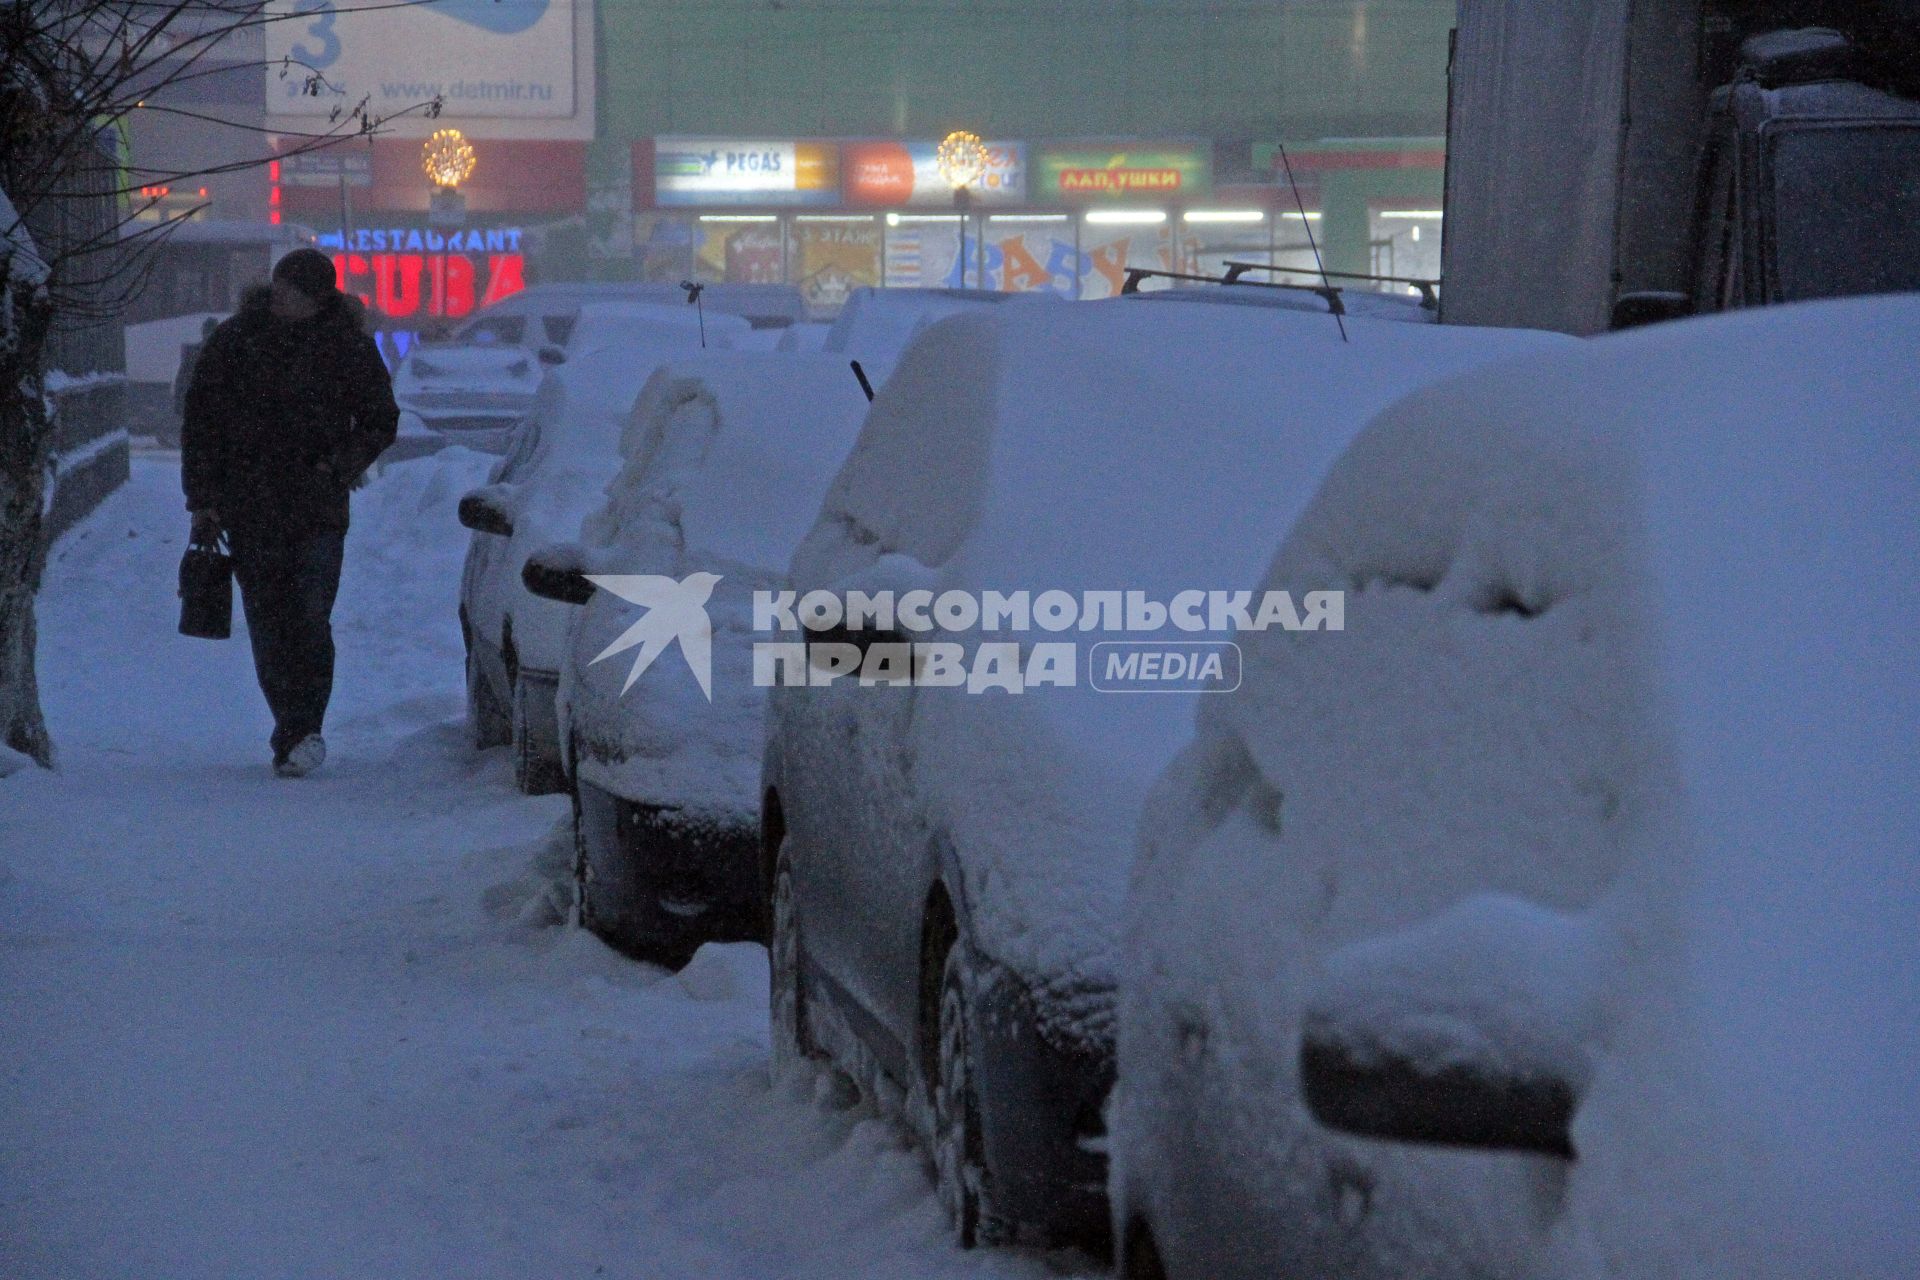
206, 589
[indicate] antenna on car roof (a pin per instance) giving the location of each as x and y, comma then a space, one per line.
861, 374
693, 295
1312, 244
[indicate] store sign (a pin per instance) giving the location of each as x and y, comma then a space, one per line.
485, 59
1150, 173
906, 174
726, 171
406, 274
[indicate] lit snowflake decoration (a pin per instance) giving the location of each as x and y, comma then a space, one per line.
448, 158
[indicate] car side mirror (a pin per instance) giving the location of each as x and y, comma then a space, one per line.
483, 512
554, 573
1651, 306
1473, 1029
552, 356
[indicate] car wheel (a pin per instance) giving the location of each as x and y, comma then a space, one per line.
487, 720
1143, 1256
534, 775
582, 873
959, 1160
631, 927
786, 994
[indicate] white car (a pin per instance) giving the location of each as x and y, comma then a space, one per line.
553, 476
876, 326
728, 455
947, 867
474, 385
1557, 918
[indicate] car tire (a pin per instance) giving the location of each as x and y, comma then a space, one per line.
652, 942
786, 972
959, 1159
534, 775
1142, 1260
487, 721
582, 873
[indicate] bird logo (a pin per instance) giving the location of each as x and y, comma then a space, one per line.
675, 610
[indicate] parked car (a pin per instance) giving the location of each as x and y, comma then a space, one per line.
553, 475
946, 869
475, 384
1556, 918
727, 457
877, 325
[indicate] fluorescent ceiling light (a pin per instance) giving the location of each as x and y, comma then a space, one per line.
1424, 214
895, 219
1225, 215
832, 217
1029, 217
1311, 217
1126, 217
739, 217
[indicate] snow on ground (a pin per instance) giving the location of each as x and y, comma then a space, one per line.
265, 1028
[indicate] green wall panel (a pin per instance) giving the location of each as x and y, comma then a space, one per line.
1228, 70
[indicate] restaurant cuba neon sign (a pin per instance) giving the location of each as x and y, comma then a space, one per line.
405, 273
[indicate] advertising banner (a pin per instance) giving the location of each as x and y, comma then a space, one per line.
1156, 171
485, 59
729, 171
907, 175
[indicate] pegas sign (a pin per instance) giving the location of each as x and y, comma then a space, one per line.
907, 174
711, 171
1085, 173
408, 274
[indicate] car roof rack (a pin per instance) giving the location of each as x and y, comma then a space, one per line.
1329, 294
1429, 297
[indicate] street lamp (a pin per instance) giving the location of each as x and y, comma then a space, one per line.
962, 161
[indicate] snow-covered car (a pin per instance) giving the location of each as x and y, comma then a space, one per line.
475, 384
1556, 919
554, 474
877, 325
947, 868
728, 455
471, 393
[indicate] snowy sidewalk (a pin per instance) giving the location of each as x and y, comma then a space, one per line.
257, 1028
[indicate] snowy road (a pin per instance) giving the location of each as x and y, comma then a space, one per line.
256, 1028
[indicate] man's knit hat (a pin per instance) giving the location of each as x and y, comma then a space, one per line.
309, 271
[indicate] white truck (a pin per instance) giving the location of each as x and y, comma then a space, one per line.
1614, 162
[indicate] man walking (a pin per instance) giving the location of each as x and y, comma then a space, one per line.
290, 404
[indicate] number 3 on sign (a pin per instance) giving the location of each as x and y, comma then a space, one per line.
321, 29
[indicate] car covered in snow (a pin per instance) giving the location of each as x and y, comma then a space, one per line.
877, 325
476, 383
727, 456
1556, 918
946, 866
553, 475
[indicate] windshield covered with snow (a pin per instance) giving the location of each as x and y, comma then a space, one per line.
1847, 209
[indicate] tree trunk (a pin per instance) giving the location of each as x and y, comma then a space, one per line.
26, 445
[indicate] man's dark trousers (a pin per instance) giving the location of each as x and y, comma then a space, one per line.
287, 586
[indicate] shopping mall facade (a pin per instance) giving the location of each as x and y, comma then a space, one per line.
723, 140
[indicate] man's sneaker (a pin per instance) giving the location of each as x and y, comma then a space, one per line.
307, 755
